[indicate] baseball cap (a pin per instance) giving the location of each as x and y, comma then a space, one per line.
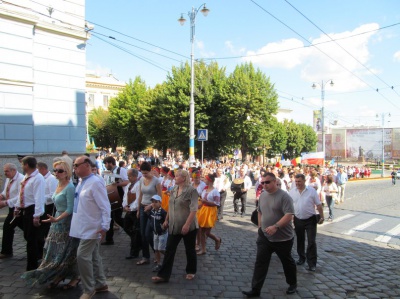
156, 197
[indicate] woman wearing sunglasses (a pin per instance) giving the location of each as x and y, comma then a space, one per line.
59, 256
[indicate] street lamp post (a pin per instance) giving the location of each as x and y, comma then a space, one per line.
383, 142
192, 16
322, 85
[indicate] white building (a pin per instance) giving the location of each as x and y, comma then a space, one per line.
100, 89
42, 76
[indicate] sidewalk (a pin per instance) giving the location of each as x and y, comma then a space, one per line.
347, 268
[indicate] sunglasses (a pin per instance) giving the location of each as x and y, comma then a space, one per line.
265, 182
79, 164
58, 170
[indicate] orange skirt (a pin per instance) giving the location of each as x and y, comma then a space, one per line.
207, 216
165, 201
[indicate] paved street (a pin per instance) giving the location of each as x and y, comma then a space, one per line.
351, 264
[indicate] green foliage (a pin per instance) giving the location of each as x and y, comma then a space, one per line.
295, 139
100, 128
238, 111
125, 111
310, 138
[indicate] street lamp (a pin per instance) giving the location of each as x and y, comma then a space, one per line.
322, 85
192, 16
383, 141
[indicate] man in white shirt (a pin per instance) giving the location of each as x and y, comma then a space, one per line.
90, 222
8, 197
29, 207
221, 183
242, 194
131, 222
121, 181
305, 200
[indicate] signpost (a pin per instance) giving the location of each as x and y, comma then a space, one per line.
202, 135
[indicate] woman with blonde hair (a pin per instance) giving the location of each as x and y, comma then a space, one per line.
182, 224
59, 256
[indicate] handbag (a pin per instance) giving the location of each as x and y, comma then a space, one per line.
254, 217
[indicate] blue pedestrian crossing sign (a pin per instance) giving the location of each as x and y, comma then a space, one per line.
202, 135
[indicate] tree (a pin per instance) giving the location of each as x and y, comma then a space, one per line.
310, 138
99, 128
295, 139
125, 111
249, 105
278, 141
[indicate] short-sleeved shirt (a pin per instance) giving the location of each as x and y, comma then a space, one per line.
273, 206
304, 202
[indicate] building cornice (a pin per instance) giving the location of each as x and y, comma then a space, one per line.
32, 19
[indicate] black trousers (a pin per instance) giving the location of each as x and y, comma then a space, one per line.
132, 229
8, 232
31, 235
191, 257
222, 203
243, 198
116, 216
265, 249
309, 227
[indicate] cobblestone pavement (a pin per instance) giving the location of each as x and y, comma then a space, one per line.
348, 267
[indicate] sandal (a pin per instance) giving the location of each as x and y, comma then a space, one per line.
158, 279
55, 283
72, 284
190, 276
143, 262
218, 244
201, 252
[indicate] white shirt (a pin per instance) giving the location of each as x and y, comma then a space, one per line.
92, 209
135, 189
14, 189
221, 183
50, 187
304, 202
122, 172
247, 183
33, 193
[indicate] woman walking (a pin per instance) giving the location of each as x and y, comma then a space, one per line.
207, 215
59, 256
182, 224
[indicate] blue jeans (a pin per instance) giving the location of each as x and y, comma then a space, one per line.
146, 232
331, 204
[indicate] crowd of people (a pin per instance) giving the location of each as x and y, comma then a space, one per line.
68, 213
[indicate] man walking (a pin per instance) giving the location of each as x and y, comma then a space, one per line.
121, 181
8, 197
275, 234
29, 206
90, 222
221, 183
341, 180
305, 199
242, 194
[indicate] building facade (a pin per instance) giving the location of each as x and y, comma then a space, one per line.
42, 77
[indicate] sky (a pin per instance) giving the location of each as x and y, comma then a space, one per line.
295, 43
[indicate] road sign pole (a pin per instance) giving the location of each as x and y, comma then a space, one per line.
202, 150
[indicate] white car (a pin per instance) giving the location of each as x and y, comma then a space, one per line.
398, 174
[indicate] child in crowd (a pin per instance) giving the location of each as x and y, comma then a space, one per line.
158, 215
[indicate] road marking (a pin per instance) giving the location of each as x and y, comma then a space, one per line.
389, 234
338, 219
362, 226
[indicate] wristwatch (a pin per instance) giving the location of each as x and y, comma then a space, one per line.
277, 226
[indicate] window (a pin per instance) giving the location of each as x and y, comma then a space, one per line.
91, 100
105, 101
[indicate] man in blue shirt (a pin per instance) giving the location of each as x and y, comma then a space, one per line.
341, 180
